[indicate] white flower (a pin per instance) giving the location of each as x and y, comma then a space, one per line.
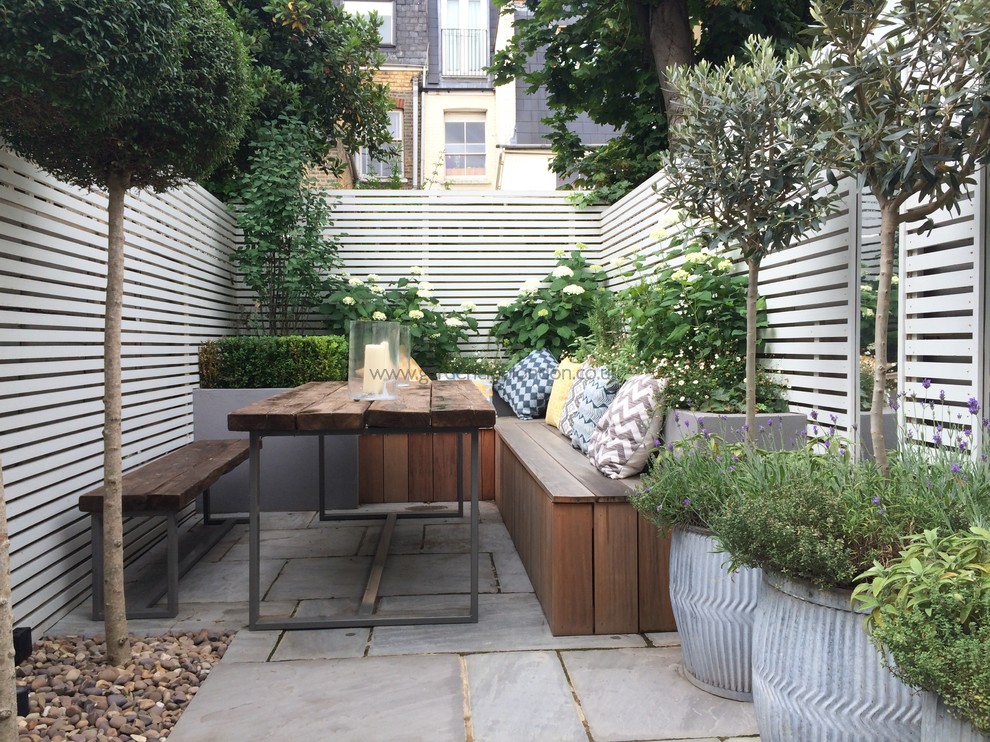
355, 281
562, 271
348, 300
425, 293
505, 303
702, 256
415, 314
659, 233
543, 312
454, 322
559, 253
468, 306
895, 280
372, 277
344, 274
573, 289
530, 286
416, 270
680, 275
424, 285
617, 262
867, 312
724, 265
596, 268
865, 288
434, 335
376, 289
379, 316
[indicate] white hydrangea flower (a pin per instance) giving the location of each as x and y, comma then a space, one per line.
895, 280
467, 306
424, 285
376, 289
372, 277
530, 286
559, 253
573, 289
617, 262
724, 265
680, 275
348, 300
416, 270
425, 293
660, 233
355, 281
543, 312
415, 314
596, 268
454, 322
562, 271
344, 274
379, 316
865, 288
505, 303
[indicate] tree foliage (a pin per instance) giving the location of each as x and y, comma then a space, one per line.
313, 58
609, 59
744, 161
910, 84
120, 94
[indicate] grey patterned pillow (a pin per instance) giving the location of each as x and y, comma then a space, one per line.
573, 400
622, 440
526, 386
598, 394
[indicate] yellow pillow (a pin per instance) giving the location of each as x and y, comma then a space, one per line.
567, 373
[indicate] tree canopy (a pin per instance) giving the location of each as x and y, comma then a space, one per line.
609, 59
315, 61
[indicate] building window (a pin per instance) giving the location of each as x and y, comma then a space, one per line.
385, 11
464, 37
464, 145
385, 166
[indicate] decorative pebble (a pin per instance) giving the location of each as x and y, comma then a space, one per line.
76, 697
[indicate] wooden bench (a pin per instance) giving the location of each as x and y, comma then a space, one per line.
596, 565
163, 488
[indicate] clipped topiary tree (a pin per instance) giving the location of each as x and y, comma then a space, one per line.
120, 94
910, 87
743, 165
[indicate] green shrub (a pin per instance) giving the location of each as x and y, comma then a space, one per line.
263, 362
930, 618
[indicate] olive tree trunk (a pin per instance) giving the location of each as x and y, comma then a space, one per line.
8, 690
752, 295
114, 614
889, 221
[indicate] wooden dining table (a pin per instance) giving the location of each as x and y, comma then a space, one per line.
327, 409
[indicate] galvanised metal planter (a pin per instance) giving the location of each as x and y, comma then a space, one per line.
714, 610
817, 677
938, 725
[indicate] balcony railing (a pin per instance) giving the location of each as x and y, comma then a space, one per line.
464, 51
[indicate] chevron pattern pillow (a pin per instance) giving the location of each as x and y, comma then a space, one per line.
526, 386
622, 440
573, 400
598, 395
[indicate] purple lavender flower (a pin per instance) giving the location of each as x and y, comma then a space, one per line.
659, 508
876, 500
657, 443
925, 383
941, 395
955, 468
833, 418
770, 423
701, 423
670, 447
984, 457
842, 452
814, 414
827, 443
973, 406
687, 501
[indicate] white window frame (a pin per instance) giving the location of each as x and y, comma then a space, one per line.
394, 165
384, 8
468, 149
464, 49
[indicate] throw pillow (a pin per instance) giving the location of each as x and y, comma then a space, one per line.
598, 395
627, 431
573, 400
526, 386
567, 373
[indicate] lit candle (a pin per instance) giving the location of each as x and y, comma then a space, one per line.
377, 366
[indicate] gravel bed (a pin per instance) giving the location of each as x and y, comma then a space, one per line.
76, 697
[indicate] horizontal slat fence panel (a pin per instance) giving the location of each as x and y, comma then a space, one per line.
179, 291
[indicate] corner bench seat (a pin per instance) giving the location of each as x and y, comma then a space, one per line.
597, 567
163, 488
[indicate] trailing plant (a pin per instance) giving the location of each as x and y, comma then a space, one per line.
551, 312
930, 617
255, 362
285, 252
717, 385
436, 333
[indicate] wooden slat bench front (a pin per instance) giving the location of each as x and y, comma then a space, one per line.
597, 567
163, 488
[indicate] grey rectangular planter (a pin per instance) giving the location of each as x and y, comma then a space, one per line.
289, 464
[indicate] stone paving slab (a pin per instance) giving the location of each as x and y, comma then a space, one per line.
630, 694
302, 543
432, 574
321, 644
348, 699
519, 696
507, 622
321, 578
224, 582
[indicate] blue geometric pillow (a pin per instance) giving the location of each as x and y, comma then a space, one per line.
598, 395
526, 386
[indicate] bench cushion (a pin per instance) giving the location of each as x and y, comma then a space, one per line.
526, 386
598, 395
173, 481
574, 397
624, 436
567, 372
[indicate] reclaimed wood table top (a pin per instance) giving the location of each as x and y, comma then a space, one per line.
320, 407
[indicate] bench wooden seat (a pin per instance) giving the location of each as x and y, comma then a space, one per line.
163, 488
597, 567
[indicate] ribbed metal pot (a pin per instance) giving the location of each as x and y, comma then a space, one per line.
938, 725
817, 677
714, 611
